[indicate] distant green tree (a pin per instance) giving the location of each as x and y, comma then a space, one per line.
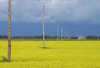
47, 36
0, 36
91, 37
41, 36
55, 36
74, 37
4, 36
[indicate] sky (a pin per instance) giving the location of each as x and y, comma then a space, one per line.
77, 17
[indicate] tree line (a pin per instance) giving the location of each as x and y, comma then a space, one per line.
93, 37
30, 37
47, 37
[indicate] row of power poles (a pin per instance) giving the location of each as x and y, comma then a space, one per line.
9, 31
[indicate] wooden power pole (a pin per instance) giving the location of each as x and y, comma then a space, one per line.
9, 32
57, 29
43, 29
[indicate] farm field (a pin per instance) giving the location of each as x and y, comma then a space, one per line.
65, 54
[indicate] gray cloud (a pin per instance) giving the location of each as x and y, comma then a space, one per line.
63, 10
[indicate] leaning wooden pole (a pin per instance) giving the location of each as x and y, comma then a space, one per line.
43, 29
57, 29
9, 32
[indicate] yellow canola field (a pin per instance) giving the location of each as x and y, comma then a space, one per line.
65, 54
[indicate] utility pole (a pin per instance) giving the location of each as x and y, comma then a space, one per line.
98, 38
68, 36
64, 33
57, 29
43, 29
61, 33
9, 32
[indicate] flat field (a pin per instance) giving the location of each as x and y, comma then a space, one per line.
65, 54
